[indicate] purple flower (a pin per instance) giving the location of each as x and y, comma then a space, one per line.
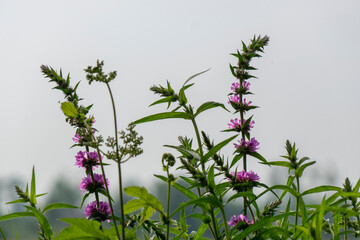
77, 138
247, 104
91, 119
244, 176
87, 184
235, 87
87, 160
247, 146
246, 85
236, 124
239, 218
234, 99
100, 213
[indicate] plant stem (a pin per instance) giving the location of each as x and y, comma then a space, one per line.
204, 172
108, 192
168, 205
225, 223
297, 201
119, 164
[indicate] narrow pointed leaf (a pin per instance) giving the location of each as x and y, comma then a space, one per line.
52, 206
208, 105
16, 215
217, 148
164, 115
33, 187
195, 75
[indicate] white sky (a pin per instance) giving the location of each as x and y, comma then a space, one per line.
307, 88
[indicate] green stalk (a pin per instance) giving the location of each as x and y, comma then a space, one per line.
297, 201
225, 223
119, 165
168, 205
204, 171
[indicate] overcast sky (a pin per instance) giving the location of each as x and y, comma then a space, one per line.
307, 87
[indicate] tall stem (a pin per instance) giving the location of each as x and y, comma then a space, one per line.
204, 172
297, 201
119, 164
168, 205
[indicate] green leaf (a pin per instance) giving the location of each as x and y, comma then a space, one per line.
136, 191
81, 228
241, 194
69, 109
320, 189
16, 215
300, 170
2, 234
163, 100
217, 148
258, 156
279, 163
200, 231
203, 217
209, 105
195, 75
134, 205
164, 115
45, 225
183, 221
236, 159
52, 206
33, 188
258, 225
17, 201
211, 177
182, 97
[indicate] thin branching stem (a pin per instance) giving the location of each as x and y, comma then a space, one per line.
118, 164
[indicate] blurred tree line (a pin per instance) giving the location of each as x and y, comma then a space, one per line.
65, 191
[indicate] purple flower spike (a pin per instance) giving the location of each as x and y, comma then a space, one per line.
87, 160
102, 212
87, 184
239, 218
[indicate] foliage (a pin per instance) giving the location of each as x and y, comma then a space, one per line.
210, 181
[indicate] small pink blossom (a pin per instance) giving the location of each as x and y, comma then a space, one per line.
87, 184
87, 160
246, 85
239, 218
102, 212
236, 124
245, 176
250, 146
77, 138
234, 99
235, 87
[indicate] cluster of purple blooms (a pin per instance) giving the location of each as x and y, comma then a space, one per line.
237, 124
245, 176
244, 146
92, 182
239, 218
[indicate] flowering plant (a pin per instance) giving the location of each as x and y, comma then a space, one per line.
212, 183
